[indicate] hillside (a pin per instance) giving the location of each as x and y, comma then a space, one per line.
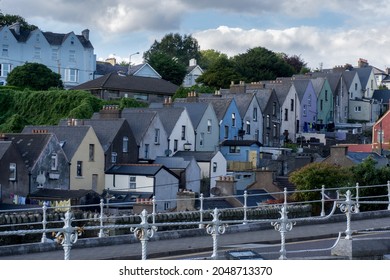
21, 108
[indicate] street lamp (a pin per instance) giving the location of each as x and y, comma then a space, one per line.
128, 70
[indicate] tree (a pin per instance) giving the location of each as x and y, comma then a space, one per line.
182, 48
11, 19
209, 57
182, 92
169, 68
34, 76
296, 62
259, 64
219, 74
314, 175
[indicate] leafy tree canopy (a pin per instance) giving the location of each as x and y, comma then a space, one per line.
34, 76
296, 62
182, 92
11, 19
208, 57
169, 68
259, 64
220, 73
182, 48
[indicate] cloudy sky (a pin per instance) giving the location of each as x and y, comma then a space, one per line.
327, 33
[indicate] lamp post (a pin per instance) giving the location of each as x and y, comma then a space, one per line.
128, 70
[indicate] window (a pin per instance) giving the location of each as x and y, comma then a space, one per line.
274, 109
79, 167
208, 126
37, 52
286, 114
355, 86
72, 56
346, 112
167, 205
358, 109
146, 151
114, 157
255, 114
125, 144
215, 167
267, 139
268, 121
91, 152
226, 132
157, 136
201, 139
54, 54
321, 104
351, 94
275, 131
12, 171
4, 51
304, 110
326, 95
309, 99
234, 149
380, 136
5, 68
248, 127
292, 105
233, 119
132, 182
54, 162
257, 135
183, 132
71, 75
175, 144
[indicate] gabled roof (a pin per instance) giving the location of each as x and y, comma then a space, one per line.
359, 157
281, 89
174, 162
105, 129
364, 74
103, 68
219, 104
243, 101
61, 194
301, 86
382, 95
136, 69
318, 84
263, 96
137, 169
113, 81
200, 156
139, 121
70, 137
29, 145
169, 116
348, 77
240, 143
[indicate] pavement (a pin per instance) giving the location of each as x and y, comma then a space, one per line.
163, 248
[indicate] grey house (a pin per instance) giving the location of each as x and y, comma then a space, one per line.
14, 179
47, 165
186, 168
155, 179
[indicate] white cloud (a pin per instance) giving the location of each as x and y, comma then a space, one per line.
314, 45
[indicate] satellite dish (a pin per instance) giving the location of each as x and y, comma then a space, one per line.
215, 191
168, 152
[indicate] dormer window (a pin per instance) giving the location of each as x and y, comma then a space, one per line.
54, 162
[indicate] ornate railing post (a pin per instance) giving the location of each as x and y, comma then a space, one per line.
154, 209
201, 198
283, 226
215, 229
101, 232
44, 222
245, 207
323, 201
348, 207
69, 235
388, 194
144, 232
357, 198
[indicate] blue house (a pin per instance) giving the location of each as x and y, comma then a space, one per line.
241, 151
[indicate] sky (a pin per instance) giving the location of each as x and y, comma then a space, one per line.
323, 33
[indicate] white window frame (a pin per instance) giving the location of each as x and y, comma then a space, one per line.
125, 144
157, 136
54, 162
5, 69
12, 171
71, 75
132, 182
114, 157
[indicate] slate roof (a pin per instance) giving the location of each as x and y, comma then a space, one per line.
168, 116
137, 169
199, 156
348, 77
281, 89
300, 87
240, 143
103, 68
254, 197
364, 74
71, 136
195, 110
131, 83
382, 95
242, 100
61, 194
359, 157
173, 162
4, 146
219, 104
139, 121
29, 145
263, 96
318, 84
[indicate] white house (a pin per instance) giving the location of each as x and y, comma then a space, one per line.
70, 55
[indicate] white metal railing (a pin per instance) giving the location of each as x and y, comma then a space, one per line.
147, 223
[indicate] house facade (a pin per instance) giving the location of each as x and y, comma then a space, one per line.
145, 178
44, 160
70, 55
194, 71
245, 151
